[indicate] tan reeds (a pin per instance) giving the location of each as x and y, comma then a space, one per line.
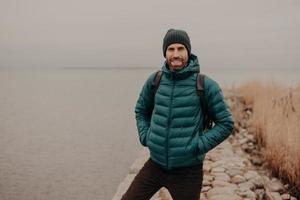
276, 120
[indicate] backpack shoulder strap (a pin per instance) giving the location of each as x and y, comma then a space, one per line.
200, 83
203, 103
200, 91
156, 81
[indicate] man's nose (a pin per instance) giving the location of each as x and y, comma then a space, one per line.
176, 53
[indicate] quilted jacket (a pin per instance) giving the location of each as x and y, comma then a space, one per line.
170, 122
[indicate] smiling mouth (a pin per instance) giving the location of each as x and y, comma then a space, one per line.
176, 62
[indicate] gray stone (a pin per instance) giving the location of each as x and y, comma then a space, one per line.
208, 178
266, 179
217, 163
228, 190
156, 196
164, 194
205, 189
258, 182
243, 141
249, 112
244, 146
218, 169
234, 172
286, 186
251, 175
221, 177
273, 196
203, 197
275, 186
255, 160
251, 138
218, 183
225, 197
206, 168
246, 186
214, 157
243, 131
247, 194
206, 183
238, 179
260, 193
286, 196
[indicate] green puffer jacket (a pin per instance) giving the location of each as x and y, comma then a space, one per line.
170, 122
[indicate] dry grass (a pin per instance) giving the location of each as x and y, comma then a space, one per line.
276, 119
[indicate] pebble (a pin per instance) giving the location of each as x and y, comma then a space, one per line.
258, 182
286, 196
238, 179
251, 175
273, 196
234, 172
205, 189
257, 161
218, 169
275, 186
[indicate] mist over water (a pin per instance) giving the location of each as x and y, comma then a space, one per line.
65, 33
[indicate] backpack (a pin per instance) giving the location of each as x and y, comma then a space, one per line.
207, 120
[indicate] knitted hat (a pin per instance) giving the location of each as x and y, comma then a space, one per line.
176, 36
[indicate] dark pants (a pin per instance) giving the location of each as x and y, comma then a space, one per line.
182, 183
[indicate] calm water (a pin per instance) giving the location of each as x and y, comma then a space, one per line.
70, 134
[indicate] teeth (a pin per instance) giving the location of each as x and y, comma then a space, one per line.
176, 61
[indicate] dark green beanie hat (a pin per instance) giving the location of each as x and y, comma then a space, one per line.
176, 36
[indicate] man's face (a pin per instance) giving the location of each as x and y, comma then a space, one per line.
176, 56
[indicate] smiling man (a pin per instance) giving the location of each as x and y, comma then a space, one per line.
171, 123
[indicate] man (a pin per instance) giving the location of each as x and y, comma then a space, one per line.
170, 124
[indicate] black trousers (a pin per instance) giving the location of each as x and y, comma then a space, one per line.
182, 183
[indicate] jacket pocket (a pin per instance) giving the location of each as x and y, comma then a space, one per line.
194, 146
196, 143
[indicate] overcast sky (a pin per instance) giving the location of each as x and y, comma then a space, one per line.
98, 33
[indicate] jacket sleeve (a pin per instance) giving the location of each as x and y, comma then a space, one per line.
143, 110
221, 116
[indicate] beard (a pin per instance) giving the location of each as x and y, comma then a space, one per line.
176, 64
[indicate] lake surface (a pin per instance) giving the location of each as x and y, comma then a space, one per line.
70, 133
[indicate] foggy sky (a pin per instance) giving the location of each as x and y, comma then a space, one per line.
98, 33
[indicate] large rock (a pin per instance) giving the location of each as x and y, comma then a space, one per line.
221, 177
228, 190
273, 196
246, 186
251, 175
225, 197
258, 182
238, 179
275, 186
218, 183
234, 172
218, 169
247, 194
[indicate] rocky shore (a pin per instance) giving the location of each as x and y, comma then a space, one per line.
234, 170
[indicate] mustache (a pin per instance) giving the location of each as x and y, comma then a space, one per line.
176, 59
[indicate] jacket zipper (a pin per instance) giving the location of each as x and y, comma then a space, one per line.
169, 122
